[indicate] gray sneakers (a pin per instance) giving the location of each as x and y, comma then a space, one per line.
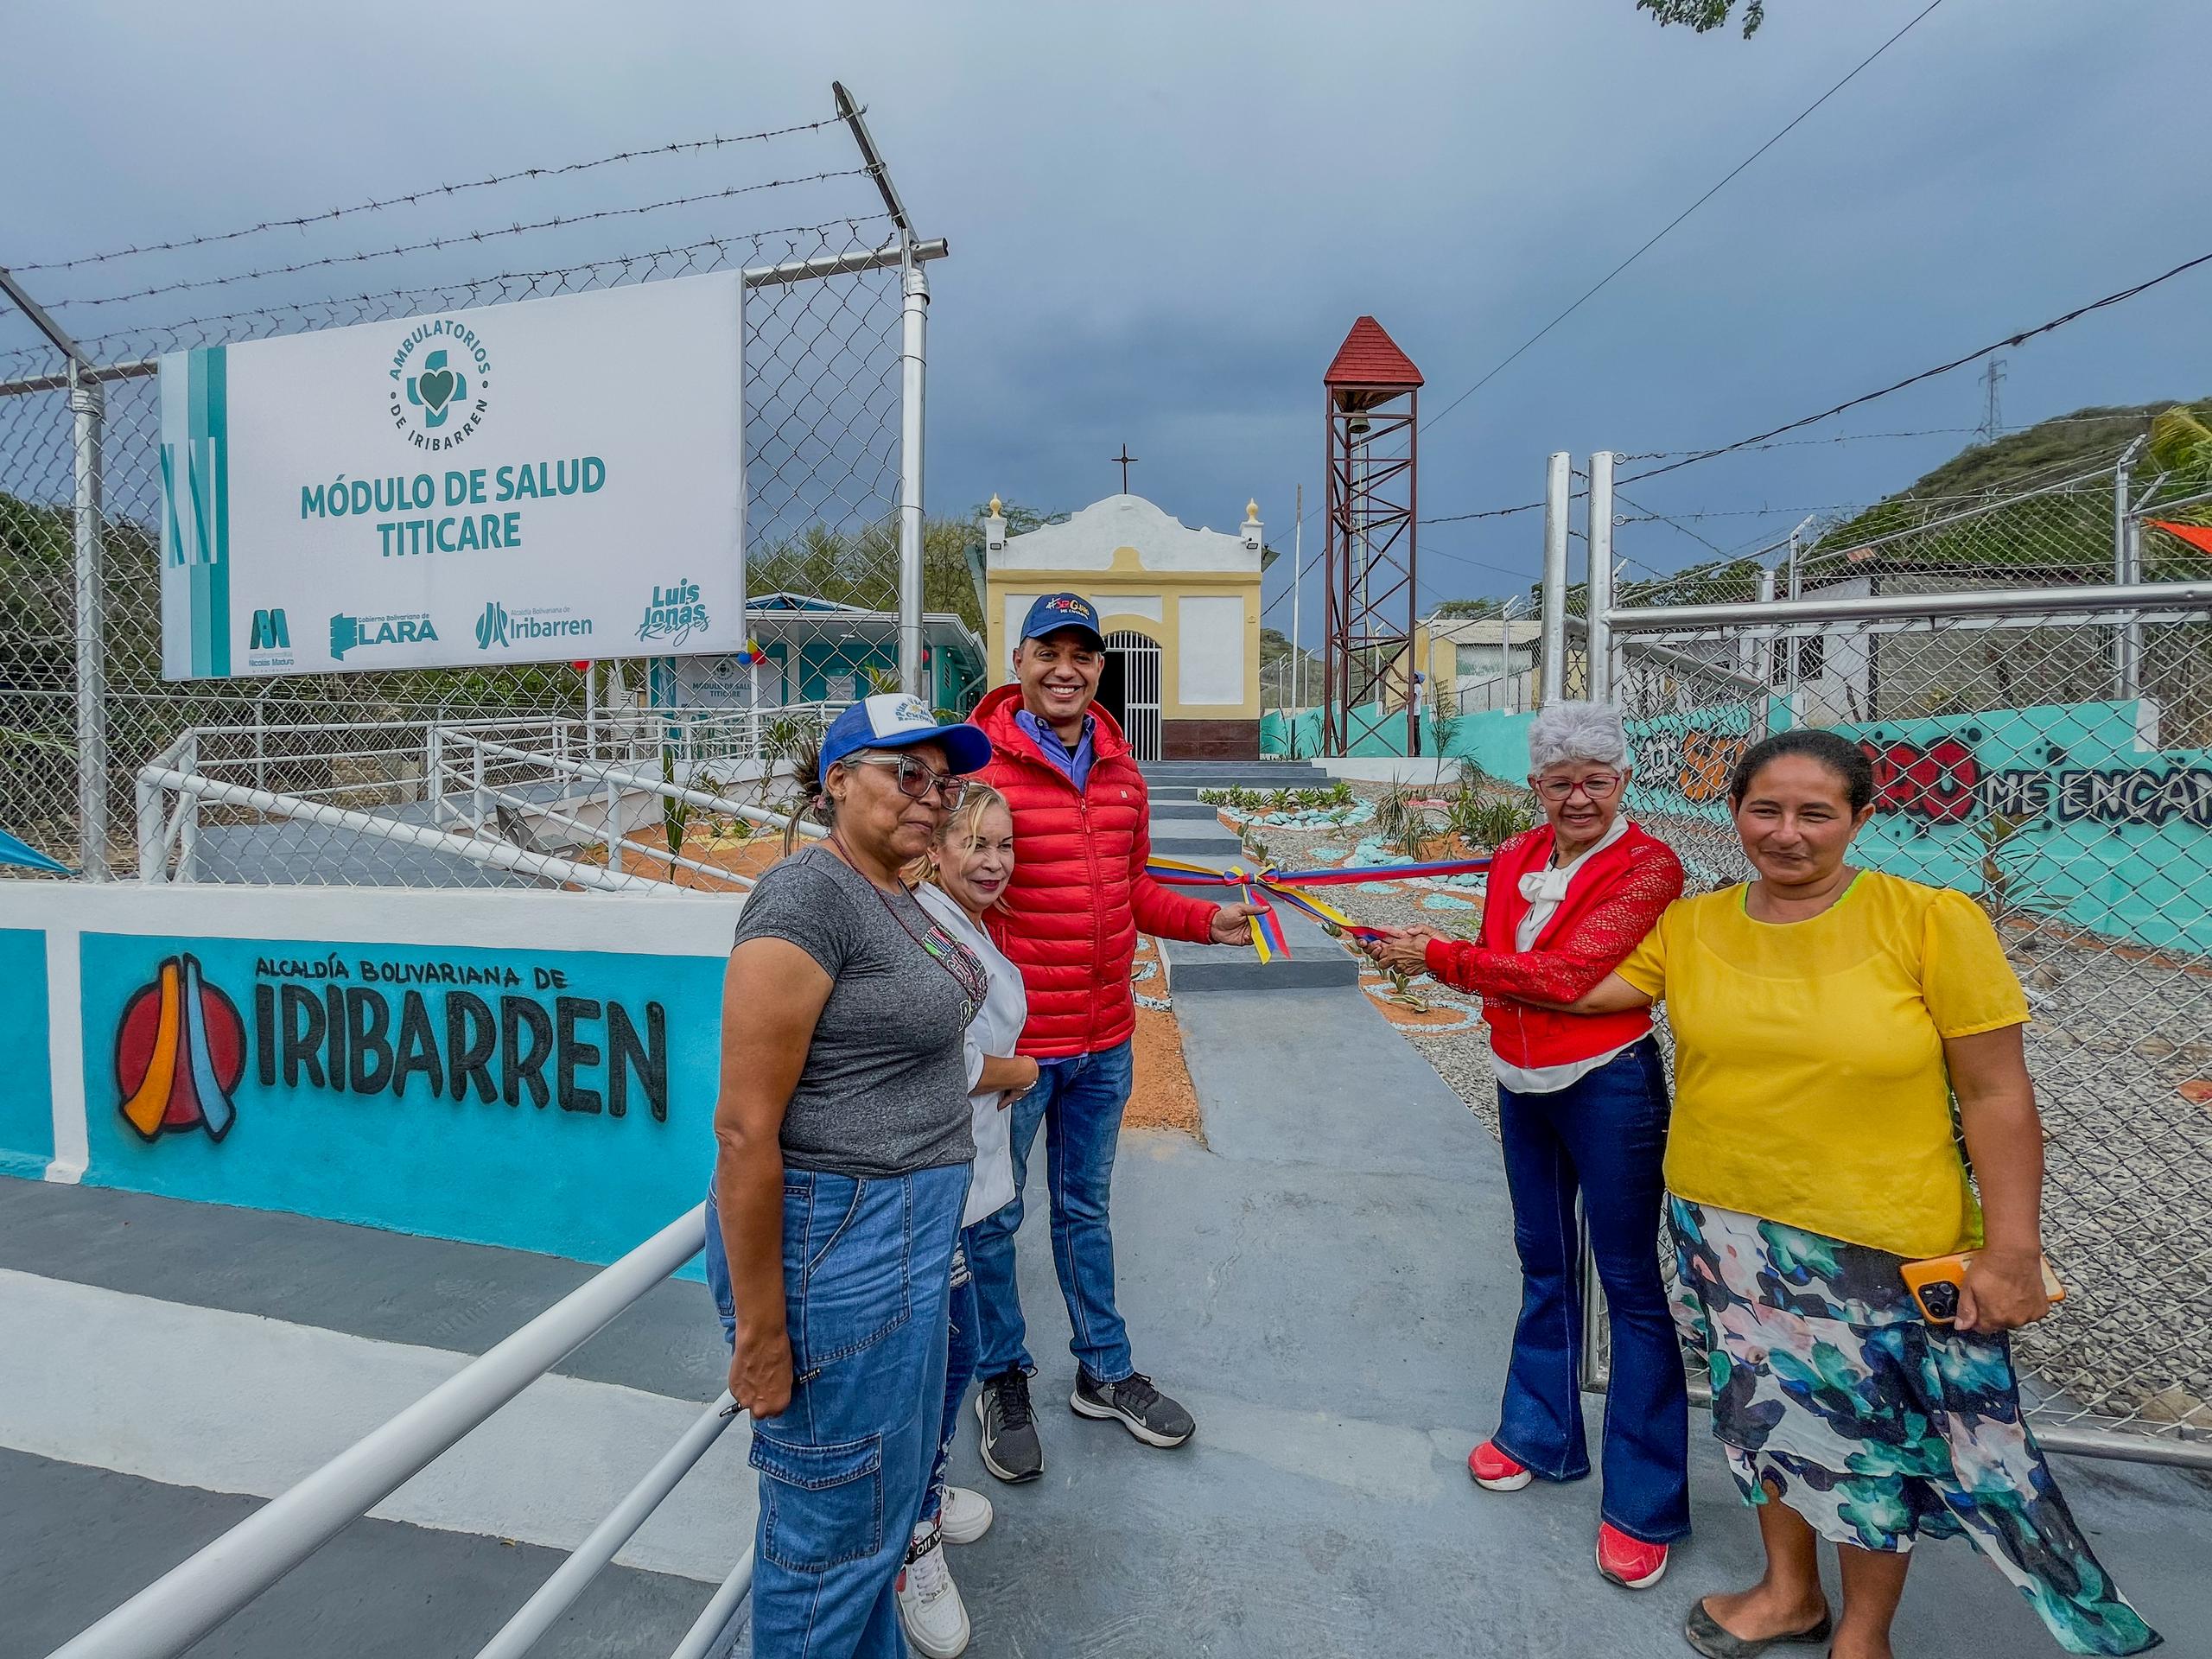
1136, 1404
1009, 1444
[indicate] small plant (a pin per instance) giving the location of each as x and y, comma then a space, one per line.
675, 814
1395, 809
1995, 833
1403, 992
1492, 821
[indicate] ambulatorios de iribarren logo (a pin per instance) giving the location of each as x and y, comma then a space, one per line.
180, 1053
440, 383
675, 613
498, 626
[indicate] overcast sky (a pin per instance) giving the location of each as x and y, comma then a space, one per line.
1164, 217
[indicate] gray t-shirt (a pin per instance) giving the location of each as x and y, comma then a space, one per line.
885, 1088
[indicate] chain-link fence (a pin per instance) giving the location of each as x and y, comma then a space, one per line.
2045, 746
823, 411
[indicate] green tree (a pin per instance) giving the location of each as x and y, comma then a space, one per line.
1703, 15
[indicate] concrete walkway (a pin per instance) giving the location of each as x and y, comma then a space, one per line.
1329, 1284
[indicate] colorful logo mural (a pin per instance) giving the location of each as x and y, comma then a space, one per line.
180, 1052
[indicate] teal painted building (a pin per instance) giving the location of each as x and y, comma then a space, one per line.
818, 652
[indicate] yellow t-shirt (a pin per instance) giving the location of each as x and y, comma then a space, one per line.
1809, 1085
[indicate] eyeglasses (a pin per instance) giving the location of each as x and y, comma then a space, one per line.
915, 779
1598, 788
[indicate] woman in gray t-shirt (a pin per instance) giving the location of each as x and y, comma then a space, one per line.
843, 1158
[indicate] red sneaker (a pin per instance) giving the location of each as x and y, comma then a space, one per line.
1494, 1471
1632, 1565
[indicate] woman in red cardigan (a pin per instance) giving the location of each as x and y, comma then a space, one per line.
1582, 1108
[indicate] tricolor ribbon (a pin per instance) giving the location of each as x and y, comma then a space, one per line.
1261, 888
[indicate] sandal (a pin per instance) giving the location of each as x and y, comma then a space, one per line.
1709, 1636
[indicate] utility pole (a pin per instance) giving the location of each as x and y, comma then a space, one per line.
1297, 581
1993, 416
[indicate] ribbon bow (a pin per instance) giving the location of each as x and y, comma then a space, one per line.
1261, 888
1546, 886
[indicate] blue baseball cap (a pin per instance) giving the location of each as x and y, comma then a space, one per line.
1057, 611
894, 721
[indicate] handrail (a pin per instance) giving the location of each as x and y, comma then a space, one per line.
2151, 596
611, 774
497, 854
555, 1597
184, 1605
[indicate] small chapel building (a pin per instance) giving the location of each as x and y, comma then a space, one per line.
1179, 608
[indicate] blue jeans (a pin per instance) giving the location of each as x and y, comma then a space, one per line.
1605, 1136
960, 1353
1079, 1101
866, 1266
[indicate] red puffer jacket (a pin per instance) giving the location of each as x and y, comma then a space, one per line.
1079, 894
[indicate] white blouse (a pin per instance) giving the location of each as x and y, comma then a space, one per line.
994, 1031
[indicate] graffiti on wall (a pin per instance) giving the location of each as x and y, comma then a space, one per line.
1690, 758
1942, 782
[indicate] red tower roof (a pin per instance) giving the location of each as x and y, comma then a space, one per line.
1369, 357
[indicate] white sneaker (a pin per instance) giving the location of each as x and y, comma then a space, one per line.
930, 1607
964, 1516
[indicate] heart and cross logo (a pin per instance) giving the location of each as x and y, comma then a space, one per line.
435, 389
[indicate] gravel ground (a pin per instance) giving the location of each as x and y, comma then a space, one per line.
2121, 1053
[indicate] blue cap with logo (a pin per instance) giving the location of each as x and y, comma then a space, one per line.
894, 721
1057, 611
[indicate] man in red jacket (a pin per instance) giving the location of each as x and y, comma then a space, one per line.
1070, 921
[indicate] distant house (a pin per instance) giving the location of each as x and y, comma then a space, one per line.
1487, 662
819, 650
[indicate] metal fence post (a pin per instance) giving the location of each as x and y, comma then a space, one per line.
1598, 676
910, 356
1557, 491
88, 408
2127, 571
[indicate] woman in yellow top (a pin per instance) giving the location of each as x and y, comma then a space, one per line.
1823, 1017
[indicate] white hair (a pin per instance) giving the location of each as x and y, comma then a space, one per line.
1577, 731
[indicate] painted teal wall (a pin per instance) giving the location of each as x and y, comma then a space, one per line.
566, 1176
824, 668
26, 1087
1499, 741
2115, 837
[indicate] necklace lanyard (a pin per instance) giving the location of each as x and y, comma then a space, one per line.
964, 966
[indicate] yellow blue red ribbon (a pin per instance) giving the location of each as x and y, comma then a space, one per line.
1261, 888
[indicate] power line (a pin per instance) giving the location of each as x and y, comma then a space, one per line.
454, 240
411, 198
1593, 290
2024, 335
1759, 440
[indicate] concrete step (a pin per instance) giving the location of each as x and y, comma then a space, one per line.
1239, 775
1184, 810
1316, 961
1198, 840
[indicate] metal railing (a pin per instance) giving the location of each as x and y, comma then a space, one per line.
553, 800
175, 1612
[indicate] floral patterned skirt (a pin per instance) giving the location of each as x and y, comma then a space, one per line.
1831, 1393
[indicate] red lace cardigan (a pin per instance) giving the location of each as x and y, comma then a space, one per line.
1614, 900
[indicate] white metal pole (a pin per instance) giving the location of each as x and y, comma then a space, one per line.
1599, 639
183, 1606
2127, 571
1297, 562
1557, 491
912, 353
88, 411
1764, 668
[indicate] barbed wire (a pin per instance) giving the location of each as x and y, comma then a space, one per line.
23, 361
411, 198
456, 240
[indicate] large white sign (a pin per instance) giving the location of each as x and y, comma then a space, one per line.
552, 479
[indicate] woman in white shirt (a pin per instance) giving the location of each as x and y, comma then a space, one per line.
961, 878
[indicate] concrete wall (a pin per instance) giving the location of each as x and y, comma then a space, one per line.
532, 1069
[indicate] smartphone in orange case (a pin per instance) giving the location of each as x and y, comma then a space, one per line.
1935, 1284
